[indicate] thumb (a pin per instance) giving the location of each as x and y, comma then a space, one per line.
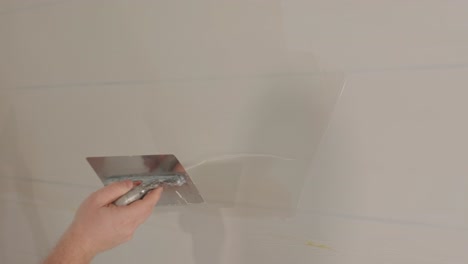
111, 192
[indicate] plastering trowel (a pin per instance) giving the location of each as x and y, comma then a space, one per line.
150, 171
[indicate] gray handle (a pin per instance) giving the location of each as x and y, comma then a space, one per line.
133, 195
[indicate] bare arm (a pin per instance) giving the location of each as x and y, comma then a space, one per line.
99, 225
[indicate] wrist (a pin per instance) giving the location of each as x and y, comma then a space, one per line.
74, 246
74, 240
70, 250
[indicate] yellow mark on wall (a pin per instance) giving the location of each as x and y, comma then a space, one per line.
317, 245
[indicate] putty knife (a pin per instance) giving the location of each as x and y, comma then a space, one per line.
151, 171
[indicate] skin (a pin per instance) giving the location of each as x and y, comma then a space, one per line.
99, 225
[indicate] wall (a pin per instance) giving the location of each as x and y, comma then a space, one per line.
317, 131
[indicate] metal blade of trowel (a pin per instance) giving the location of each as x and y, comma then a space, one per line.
147, 169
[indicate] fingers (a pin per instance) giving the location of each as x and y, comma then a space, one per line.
153, 197
145, 206
111, 192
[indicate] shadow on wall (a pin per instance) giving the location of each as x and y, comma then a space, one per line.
205, 221
288, 123
284, 127
206, 225
13, 166
290, 120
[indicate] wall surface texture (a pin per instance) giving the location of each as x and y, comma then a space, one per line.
317, 131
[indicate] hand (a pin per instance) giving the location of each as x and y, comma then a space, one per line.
99, 225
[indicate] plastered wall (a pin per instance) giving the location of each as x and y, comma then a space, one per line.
317, 131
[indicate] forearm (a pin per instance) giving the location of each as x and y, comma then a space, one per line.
99, 225
69, 250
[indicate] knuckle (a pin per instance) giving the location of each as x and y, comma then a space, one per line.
148, 212
144, 213
144, 216
90, 200
93, 197
149, 208
128, 234
129, 237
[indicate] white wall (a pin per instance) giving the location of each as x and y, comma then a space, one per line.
334, 131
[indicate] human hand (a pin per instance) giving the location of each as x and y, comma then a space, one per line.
99, 225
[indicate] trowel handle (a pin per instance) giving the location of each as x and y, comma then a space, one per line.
133, 195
